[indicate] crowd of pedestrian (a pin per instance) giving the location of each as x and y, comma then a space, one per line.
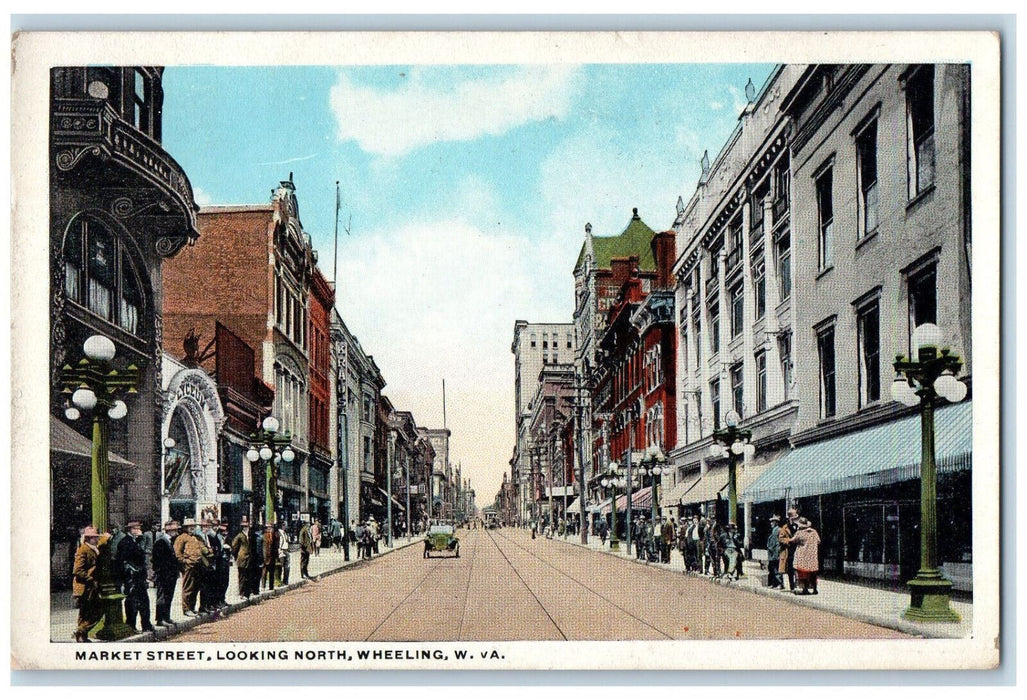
199, 554
710, 548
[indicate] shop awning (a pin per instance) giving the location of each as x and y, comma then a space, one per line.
574, 506
64, 439
707, 488
672, 496
643, 498
879, 455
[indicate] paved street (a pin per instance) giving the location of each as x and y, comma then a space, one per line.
506, 586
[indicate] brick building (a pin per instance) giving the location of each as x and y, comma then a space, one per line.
252, 272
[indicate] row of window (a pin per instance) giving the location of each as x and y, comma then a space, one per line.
920, 166
923, 308
290, 401
290, 312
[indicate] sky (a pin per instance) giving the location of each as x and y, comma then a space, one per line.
465, 190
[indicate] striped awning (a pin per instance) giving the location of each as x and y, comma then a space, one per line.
879, 455
672, 496
643, 498
707, 488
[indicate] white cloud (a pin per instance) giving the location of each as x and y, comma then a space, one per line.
738, 100
438, 299
394, 122
201, 198
716, 105
596, 178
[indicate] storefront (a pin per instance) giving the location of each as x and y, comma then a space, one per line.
861, 491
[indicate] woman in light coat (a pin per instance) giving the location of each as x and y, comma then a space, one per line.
807, 556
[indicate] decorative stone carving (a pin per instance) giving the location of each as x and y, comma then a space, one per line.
67, 159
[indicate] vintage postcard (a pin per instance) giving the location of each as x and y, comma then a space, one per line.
505, 351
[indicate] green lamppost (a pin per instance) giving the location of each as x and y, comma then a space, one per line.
614, 480
95, 387
272, 447
732, 442
654, 465
925, 381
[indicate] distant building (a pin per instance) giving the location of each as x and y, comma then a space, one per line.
535, 346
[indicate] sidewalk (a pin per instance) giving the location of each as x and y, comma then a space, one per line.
63, 615
872, 605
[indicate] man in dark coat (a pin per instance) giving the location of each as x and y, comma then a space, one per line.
269, 549
84, 585
165, 570
209, 582
223, 564
306, 548
243, 552
666, 539
131, 560
774, 554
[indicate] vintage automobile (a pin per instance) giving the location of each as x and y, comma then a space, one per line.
441, 538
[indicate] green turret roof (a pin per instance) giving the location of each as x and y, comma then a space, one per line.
636, 239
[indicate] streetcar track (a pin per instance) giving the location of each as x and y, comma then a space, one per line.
526, 586
580, 583
400, 603
467, 594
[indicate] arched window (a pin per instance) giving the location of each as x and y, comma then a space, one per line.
99, 274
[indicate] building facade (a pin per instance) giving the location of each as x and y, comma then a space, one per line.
880, 163
736, 308
534, 347
120, 208
265, 266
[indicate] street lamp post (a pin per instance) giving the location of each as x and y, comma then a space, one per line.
924, 382
614, 478
95, 385
165, 496
270, 446
654, 465
732, 442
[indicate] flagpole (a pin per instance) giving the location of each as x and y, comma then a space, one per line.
335, 254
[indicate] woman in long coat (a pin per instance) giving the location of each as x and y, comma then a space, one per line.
807, 556
784, 536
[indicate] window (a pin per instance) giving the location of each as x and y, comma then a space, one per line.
923, 299
920, 130
825, 349
866, 165
756, 206
99, 275
715, 326
784, 266
760, 284
868, 328
140, 105
825, 211
533, 340
782, 184
737, 390
737, 310
715, 400
761, 382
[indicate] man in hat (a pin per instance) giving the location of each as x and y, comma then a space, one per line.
85, 587
194, 557
306, 549
208, 582
131, 560
224, 563
269, 550
774, 554
243, 553
165, 570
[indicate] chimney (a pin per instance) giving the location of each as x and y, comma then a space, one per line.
663, 253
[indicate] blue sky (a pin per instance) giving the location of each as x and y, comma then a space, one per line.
468, 188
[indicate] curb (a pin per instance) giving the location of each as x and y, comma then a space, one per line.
888, 623
163, 633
